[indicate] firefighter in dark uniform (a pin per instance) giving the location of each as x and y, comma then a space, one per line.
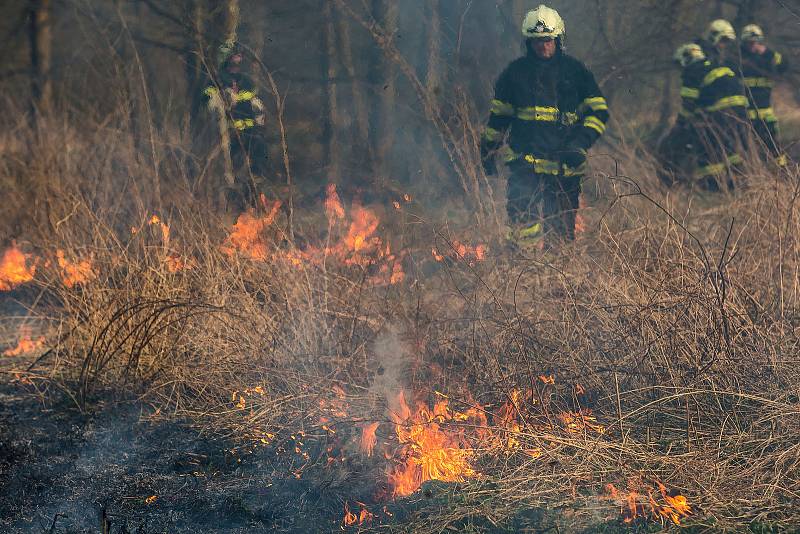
547, 112
759, 67
234, 98
677, 152
720, 108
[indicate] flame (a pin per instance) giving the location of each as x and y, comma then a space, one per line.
368, 438
156, 221
359, 246
363, 226
428, 451
333, 205
247, 237
580, 221
463, 252
15, 268
26, 343
580, 421
74, 273
674, 508
364, 515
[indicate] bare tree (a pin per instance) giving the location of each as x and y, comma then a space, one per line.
329, 63
41, 49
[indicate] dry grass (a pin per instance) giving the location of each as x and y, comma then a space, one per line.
675, 313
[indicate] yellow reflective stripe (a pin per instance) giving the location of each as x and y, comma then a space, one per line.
690, 92
546, 166
570, 118
492, 135
243, 124
243, 96
714, 75
538, 113
531, 231
504, 109
767, 114
685, 113
777, 59
595, 124
728, 102
210, 91
508, 154
758, 82
782, 160
715, 169
595, 103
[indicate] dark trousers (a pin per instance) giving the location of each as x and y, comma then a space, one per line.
249, 158
676, 155
721, 144
767, 132
546, 199
249, 144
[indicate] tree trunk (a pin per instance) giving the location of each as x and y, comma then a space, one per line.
359, 102
745, 14
41, 48
230, 21
330, 136
431, 165
384, 73
195, 59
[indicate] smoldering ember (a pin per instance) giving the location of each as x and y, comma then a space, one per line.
377, 266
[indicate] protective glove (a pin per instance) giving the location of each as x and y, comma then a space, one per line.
489, 166
573, 157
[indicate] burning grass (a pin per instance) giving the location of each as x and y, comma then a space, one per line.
642, 376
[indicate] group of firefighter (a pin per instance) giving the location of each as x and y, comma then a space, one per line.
726, 94
548, 111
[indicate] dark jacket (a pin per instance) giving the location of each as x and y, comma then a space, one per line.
709, 90
242, 105
542, 109
758, 72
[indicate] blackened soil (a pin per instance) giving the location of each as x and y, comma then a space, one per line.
64, 472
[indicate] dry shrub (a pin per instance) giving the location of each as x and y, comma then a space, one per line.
672, 318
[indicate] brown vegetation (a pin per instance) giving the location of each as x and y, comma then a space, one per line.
646, 374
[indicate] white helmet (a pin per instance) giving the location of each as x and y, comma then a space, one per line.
718, 30
752, 33
543, 22
688, 54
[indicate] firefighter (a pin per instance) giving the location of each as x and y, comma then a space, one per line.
233, 98
546, 114
759, 65
677, 152
714, 95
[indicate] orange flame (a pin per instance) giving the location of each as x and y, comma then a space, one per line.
74, 273
580, 221
360, 235
333, 206
429, 452
247, 237
580, 421
14, 268
463, 252
368, 438
674, 508
26, 343
364, 515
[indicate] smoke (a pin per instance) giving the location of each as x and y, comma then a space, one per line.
393, 359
